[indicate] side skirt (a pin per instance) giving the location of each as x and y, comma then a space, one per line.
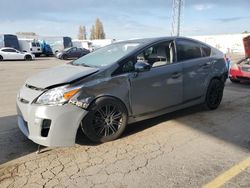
133, 119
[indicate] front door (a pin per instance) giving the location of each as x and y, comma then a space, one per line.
161, 86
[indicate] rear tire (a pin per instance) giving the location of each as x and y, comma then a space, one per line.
105, 121
28, 58
1, 58
214, 94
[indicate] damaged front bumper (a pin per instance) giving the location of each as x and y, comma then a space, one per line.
50, 125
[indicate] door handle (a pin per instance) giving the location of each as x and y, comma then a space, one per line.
176, 75
207, 64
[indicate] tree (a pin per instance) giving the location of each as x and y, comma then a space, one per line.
245, 32
92, 33
82, 35
97, 30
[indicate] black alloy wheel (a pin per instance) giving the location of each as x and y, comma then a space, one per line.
105, 121
214, 94
28, 58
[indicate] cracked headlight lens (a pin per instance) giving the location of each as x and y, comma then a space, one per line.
57, 96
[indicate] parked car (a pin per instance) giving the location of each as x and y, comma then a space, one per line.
13, 54
240, 71
118, 84
72, 53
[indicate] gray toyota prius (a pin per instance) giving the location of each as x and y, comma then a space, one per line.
122, 83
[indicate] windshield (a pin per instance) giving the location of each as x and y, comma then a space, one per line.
107, 55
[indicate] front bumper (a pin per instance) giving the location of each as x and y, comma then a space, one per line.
239, 75
63, 121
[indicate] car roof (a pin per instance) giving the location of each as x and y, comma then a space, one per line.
159, 39
151, 39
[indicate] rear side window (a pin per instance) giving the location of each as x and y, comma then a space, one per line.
205, 50
188, 50
9, 50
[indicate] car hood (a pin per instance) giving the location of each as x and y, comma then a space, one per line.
62, 74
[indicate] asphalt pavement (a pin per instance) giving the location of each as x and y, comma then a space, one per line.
188, 148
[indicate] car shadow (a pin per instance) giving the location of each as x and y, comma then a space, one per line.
196, 117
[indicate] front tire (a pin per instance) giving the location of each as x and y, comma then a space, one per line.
105, 121
64, 57
214, 94
1, 58
28, 58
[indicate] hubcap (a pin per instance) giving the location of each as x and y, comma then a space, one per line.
107, 120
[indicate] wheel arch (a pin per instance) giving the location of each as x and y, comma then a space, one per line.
222, 78
27, 55
109, 96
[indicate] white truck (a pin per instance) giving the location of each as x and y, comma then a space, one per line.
30, 46
82, 44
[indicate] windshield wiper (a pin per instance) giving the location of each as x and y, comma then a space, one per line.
84, 65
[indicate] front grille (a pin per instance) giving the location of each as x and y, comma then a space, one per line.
245, 69
34, 88
243, 78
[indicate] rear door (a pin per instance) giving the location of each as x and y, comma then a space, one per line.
5, 54
196, 61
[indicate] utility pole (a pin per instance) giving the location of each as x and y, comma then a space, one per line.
177, 8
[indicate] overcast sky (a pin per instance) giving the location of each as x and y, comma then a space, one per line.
123, 19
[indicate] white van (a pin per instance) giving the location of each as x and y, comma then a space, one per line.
31, 46
82, 44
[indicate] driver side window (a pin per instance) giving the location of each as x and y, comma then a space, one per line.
157, 55
128, 67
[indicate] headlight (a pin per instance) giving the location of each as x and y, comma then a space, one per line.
234, 66
57, 96
58, 54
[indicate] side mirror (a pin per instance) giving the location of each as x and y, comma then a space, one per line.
142, 66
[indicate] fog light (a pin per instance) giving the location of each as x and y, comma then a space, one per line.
45, 127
